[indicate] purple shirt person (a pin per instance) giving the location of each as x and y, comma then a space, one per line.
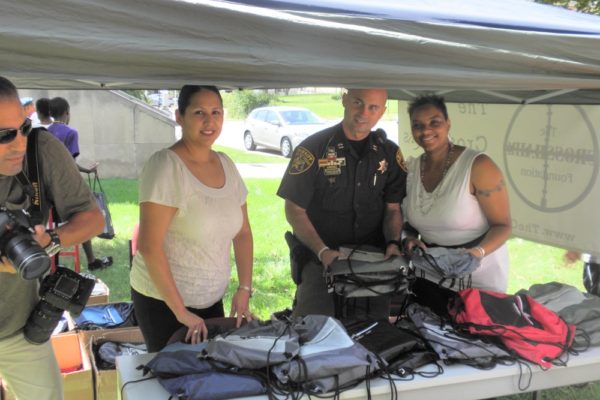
61, 113
67, 135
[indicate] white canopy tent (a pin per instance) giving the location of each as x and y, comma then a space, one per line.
508, 51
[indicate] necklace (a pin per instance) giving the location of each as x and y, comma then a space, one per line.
427, 200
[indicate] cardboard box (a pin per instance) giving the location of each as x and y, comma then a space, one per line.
106, 380
100, 293
70, 352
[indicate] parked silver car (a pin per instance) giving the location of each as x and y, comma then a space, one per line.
280, 128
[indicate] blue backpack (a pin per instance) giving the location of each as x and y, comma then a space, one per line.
103, 316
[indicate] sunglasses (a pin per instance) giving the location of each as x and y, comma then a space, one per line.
8, 135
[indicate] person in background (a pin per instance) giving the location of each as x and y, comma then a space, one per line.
343, 187
42, 106
456, 197
192, 208
60, 111
30, 111
31, 370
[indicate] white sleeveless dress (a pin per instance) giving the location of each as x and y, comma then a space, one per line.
450, 216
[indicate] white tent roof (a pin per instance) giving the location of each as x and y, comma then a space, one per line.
472, 50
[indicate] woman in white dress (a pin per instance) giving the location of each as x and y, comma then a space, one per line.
456, 197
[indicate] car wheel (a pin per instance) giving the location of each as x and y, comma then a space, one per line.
286, 147
249, 141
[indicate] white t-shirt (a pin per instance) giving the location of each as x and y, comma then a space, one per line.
198, 240
451, 216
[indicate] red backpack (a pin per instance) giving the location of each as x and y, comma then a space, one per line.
524, 326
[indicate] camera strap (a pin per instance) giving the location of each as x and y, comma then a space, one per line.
32, 185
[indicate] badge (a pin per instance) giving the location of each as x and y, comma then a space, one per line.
400, 160
332, 164
302, 161
383, 165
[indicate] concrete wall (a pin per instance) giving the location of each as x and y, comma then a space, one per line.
115, 129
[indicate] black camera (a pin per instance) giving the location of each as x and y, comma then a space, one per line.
63, 290
18, 245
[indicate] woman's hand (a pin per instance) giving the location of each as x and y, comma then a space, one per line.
477, 252
240, 306
197, 330
409, 245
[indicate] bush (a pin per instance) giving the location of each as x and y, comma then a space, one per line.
241, 102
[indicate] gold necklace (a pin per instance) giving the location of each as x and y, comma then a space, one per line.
426, 203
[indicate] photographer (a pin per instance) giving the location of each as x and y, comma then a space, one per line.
30, 369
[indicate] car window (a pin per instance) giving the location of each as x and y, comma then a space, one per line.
260, 115
300, 117
272, 117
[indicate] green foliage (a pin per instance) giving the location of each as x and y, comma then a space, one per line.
586, 6
138, 94
240, 102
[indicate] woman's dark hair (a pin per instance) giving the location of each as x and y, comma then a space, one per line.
42, 106
58, 107
187, 91
428, 100
7, 89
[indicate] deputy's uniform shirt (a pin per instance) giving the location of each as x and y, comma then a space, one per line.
344, 193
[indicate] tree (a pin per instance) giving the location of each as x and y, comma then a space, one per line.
586, 6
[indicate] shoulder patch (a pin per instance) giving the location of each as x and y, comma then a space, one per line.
400, 160
302, 161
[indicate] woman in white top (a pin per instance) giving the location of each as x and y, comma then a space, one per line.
192, 208
456, 197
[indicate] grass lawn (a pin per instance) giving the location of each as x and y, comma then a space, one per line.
530, 262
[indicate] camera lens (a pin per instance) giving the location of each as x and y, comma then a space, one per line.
30, 260
42, 321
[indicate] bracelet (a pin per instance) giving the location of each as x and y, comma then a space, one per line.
246, 288
481, 251
320, 253
396, 242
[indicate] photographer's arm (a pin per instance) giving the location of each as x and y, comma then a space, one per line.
80, 227
154, 222
306, 232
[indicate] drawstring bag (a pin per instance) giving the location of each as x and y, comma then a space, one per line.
363, 272
328, 358
524, 326
453, 346
441, 263
185, 376
257, 344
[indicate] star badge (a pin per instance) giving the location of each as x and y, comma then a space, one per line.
383, 164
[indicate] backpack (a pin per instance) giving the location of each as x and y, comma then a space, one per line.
106, 316
523, 325
186, 376
453, 346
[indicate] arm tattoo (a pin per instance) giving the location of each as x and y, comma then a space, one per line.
488, 192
